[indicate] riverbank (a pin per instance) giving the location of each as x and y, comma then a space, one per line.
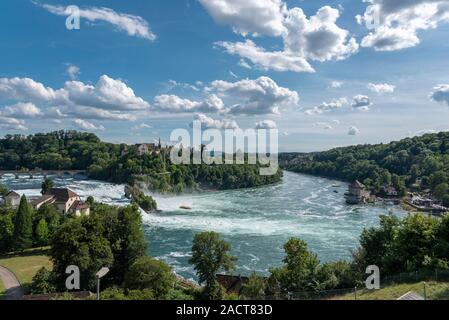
256, 221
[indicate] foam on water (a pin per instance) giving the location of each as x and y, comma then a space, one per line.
257, 222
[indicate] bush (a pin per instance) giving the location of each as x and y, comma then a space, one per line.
255, 287
149, 273
43, 282
124, 294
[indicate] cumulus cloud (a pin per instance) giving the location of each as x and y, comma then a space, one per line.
27, 89
259, 96
257, 17
73, 71
337, 84
324, 125
266, 60
86, 125
361, 102
108, 93
12, 124
400, 20
423, 132
21, 110
108, 99
353, 131
210, 123
314, 38
131, 24
381, 88
324, 107
441, 94
265, 124
141, 126
96, 113
173, 103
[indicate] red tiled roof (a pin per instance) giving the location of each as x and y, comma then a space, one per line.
13, 193
232, 284
78, 205
62, 194
43, 199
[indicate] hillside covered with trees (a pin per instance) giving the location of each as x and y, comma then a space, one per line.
420, 163
120, 163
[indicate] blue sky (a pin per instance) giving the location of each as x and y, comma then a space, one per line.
186, 71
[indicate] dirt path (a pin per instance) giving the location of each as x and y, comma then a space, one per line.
14, 290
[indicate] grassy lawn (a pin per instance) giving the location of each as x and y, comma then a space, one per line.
2, 291
435, 291
26, 264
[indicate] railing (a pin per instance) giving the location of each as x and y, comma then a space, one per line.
420, 278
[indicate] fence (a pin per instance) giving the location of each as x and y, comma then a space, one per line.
420, 278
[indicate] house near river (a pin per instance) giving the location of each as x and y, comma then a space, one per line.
358, 194
12, 199
65, 200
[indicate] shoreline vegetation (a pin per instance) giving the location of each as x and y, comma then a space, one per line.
413, 172
121, 163
113, 236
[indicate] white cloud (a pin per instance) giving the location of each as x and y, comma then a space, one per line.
337, 84
12, 124
400, 21
381, 88
73, 71
108, 99
324, 125
353, 131
86, 125
266, 60
172, 84
141, 126
265, 124
173, 103
264, 17
108, 93
317, 38
26, 89
441, 94
361, 102
328, 106
210, 123
244, 64
423, 132
96, 113
131, 24
259, 96
21, 110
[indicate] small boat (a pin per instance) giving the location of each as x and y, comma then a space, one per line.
183, 207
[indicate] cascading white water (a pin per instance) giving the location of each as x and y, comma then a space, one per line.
257, 222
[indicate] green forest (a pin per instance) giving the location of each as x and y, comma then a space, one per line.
120, 163
417, 163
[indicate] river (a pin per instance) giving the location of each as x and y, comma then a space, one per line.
257, 222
